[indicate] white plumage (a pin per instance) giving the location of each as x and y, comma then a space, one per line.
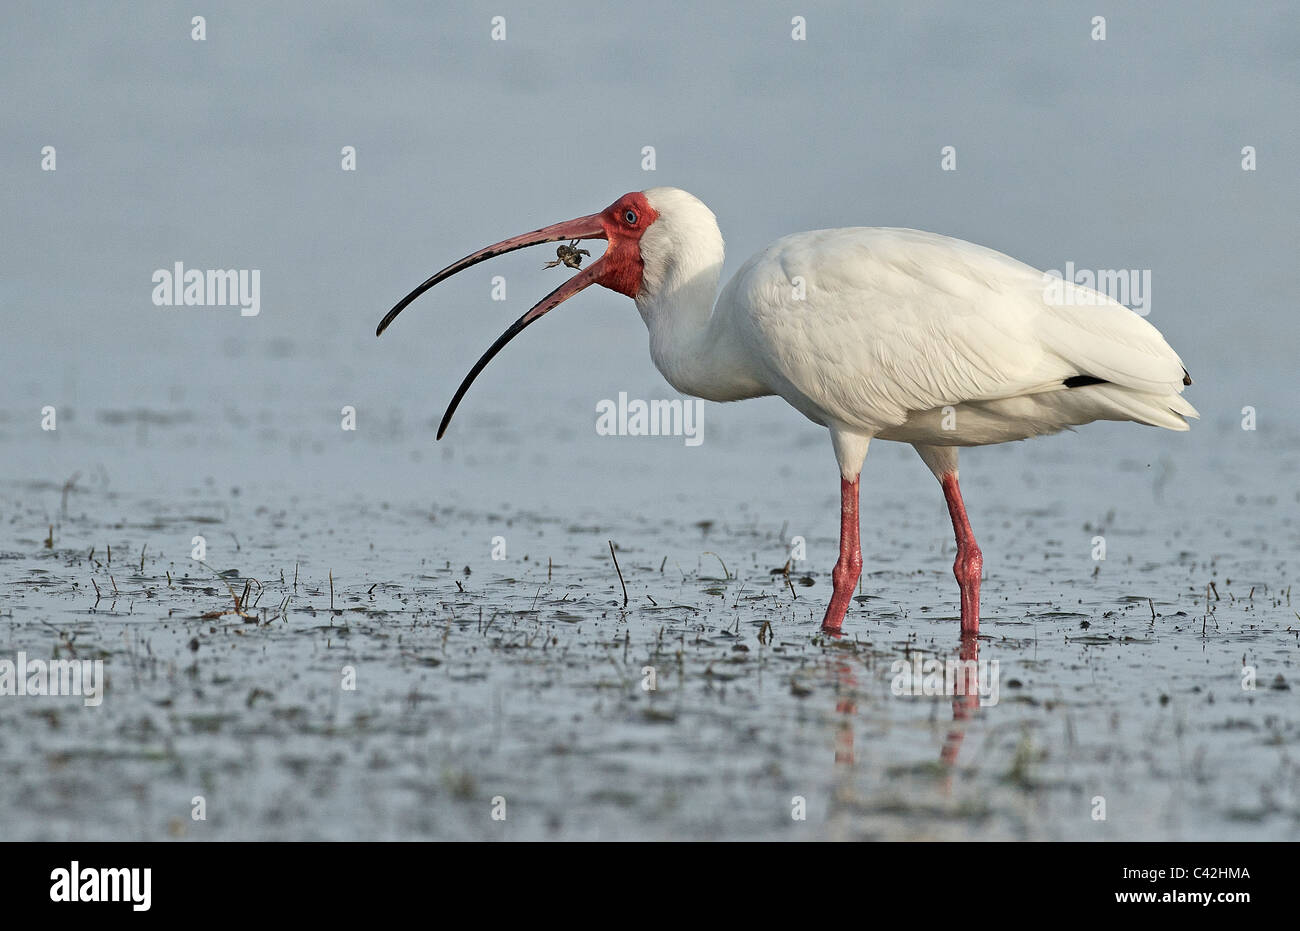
874, 331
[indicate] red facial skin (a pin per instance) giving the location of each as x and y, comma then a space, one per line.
623, 267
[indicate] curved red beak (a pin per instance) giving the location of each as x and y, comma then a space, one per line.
588, 227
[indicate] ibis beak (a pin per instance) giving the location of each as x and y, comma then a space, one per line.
588, 227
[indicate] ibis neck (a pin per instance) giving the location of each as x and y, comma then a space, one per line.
691, 341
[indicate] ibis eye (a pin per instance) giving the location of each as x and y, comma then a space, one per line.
630, 216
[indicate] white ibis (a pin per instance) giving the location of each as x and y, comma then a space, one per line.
873, 333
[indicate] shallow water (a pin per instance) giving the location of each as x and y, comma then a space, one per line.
521, 679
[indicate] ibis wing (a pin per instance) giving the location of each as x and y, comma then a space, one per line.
867, 325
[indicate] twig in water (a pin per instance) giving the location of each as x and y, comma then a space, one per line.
725, 573
67, 487
619, 571
239, 606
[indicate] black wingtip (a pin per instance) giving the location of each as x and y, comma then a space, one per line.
1082, 381
1187, 379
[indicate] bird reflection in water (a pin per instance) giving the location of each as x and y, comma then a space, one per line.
965, 703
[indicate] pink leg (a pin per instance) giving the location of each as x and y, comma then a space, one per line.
970, 561
849, 566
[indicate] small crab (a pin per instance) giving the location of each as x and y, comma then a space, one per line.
569, 255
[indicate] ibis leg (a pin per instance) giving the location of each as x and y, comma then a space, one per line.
849, 566
970, 561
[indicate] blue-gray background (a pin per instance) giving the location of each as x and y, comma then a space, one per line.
1123, 153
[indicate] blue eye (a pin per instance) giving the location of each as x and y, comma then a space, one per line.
630, 216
